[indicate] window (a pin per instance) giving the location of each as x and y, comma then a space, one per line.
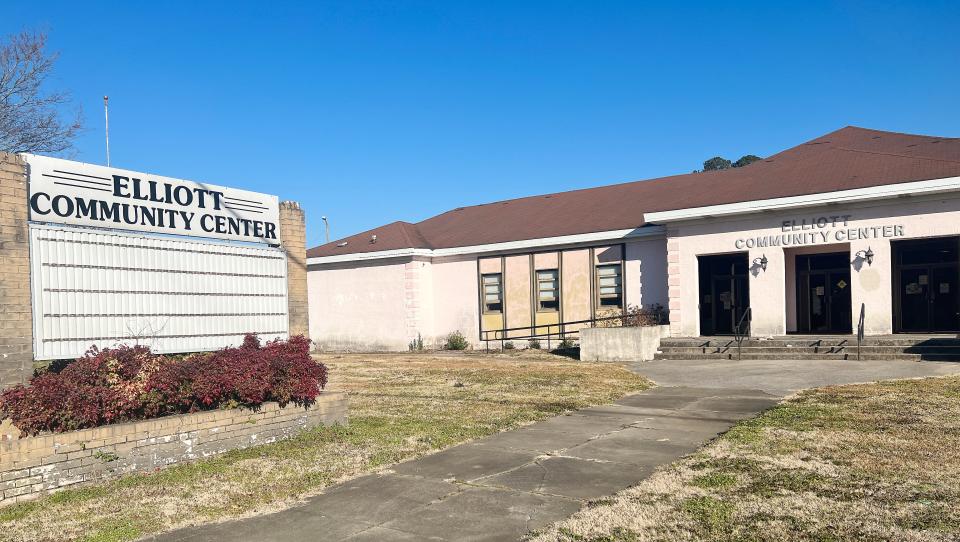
492, 292
548, 290
609, 285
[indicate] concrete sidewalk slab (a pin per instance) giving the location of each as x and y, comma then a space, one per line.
484, 514
466, 463
568, 477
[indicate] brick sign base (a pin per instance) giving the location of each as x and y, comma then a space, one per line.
33, 466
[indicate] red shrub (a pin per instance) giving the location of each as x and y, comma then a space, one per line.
128, 383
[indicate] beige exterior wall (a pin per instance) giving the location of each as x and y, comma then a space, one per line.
773, 292
576, 286
517, 301
16, 317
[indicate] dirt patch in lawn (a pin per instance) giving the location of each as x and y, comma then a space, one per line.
861, 462
401, 406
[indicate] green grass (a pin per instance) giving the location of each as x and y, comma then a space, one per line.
713, 515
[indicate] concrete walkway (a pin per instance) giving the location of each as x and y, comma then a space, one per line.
503, 486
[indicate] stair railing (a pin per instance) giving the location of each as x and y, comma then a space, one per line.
863, 310
742, 329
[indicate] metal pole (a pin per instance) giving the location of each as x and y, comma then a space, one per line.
106, 119
326, 229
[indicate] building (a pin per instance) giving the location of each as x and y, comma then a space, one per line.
854, 224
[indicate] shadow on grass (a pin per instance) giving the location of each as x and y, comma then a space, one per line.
573, 352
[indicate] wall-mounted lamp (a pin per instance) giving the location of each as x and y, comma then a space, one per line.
866, 255
761, 261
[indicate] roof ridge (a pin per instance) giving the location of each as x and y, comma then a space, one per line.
892, 132
848, 149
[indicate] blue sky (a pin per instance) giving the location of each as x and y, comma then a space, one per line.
370, 112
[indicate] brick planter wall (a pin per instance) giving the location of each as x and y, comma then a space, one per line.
33, 466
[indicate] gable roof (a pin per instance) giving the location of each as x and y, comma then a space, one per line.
845, 159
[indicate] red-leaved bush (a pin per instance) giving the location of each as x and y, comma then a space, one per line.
130, 383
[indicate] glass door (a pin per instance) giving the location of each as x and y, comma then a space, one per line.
823, 293
944, 303
914, 300
926, 290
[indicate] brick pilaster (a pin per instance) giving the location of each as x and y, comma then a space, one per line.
293, 240
674, 285
16, 318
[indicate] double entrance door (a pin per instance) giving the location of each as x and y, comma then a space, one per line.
823, 293
724, 293
926, 293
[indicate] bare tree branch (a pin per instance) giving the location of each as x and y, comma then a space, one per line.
30, 116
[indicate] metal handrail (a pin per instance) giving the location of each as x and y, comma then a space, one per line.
863, 310
561, 332
738, 333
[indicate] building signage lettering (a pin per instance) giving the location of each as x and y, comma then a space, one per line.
820, 229
68, 192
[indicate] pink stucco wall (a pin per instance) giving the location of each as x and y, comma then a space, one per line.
368, 306
645, 273
455, 298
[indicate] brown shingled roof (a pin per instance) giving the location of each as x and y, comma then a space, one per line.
845, 159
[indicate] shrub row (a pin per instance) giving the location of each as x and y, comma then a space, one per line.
127, 383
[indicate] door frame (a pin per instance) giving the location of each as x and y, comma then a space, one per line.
735, 279
896, 269
803, 279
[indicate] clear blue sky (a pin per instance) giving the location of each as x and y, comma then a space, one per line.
371, 112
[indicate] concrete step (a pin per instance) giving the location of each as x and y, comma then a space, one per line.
800, 357
814, 350
811, 342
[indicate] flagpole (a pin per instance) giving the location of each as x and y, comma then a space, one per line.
106, 118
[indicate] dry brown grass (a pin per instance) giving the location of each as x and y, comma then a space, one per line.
401, 406
861, 462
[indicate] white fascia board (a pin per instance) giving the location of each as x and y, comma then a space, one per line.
633, 233
378, 255
951, 184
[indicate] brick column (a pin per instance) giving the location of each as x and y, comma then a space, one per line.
293, 240
16, 318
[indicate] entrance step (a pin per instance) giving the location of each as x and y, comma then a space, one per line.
894, 348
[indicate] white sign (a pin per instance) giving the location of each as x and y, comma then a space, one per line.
67, 192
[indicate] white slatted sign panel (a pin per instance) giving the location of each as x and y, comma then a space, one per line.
174, 295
